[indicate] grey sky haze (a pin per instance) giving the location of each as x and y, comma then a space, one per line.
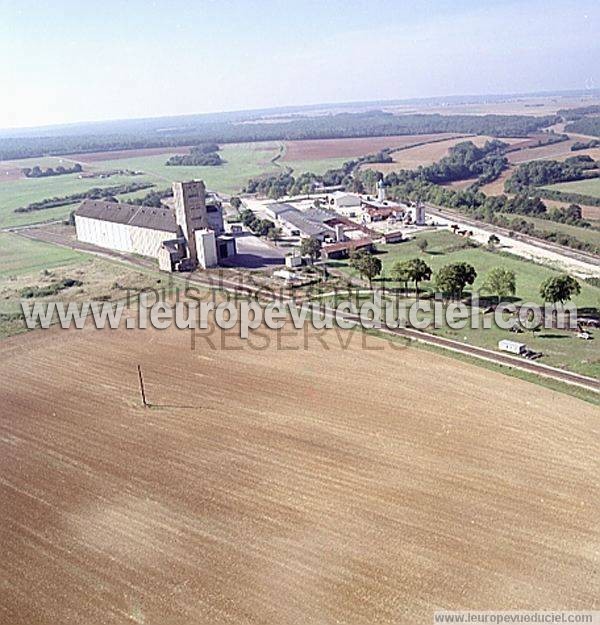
67, 61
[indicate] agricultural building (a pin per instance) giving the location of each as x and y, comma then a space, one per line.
347, 204
182, 237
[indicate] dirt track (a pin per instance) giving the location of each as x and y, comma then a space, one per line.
284, 486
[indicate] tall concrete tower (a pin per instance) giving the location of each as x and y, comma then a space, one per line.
380, 191
190, 211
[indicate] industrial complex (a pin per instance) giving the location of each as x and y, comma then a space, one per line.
188, 230
343, 221
187, 235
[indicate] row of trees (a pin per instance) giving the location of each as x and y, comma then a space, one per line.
465, 160
452, 279
96, 193
153, 198
585, 126
37, 172
579, 112
260, 227
585, 145
538, 173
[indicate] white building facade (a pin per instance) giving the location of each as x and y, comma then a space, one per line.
181, 238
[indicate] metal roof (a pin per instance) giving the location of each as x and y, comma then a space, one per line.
299, 221
279, 208
309, 222
318, 215
130, 214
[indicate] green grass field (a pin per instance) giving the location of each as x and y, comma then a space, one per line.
561, 348
16, 193
20, 256
242, 161
26, 263
585, 187
445, 247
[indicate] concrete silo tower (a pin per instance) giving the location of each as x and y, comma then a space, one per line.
190, 212
380, 191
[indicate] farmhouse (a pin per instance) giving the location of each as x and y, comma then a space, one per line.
343, 249
181, 238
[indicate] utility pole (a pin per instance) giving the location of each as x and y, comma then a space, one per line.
142, 390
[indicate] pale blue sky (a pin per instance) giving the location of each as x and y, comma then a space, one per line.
67, 61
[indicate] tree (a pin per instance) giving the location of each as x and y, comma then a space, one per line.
235, 202
453, 278
400, 272
422, 244
311, 247
531, 324
559, 289
263, 227
501, 282
274, 233
366, 264
418, 270
247, 217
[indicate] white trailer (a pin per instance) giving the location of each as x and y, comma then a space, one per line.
512, 347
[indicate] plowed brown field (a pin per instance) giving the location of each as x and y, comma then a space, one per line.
284, 486
554, 151
424, 155
315, 149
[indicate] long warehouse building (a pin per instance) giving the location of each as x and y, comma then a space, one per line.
181, 238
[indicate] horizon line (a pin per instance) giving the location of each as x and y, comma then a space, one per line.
307, 106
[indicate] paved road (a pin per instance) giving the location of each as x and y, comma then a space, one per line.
255, 253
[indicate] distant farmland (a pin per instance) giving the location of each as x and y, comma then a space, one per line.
585, 187
424, 155
350, 148
553, 151
17, 193
242, 162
